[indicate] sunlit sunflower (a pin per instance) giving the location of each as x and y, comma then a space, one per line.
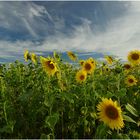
81, 76
134, 57
130, 80
110, 114
26, 55
109, 59
92, 61
81, 62
88, 66
72, 56
49, 66
34, 58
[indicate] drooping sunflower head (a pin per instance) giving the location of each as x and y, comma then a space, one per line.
110, 114
88, 66
130, 80
109, 59
134, 57
48, 65
26, 56
81, 76
72, 56
34, 58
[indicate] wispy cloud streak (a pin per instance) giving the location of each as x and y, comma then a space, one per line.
24, 17
122, 34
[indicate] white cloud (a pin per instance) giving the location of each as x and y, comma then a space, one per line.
122, 35
23, 17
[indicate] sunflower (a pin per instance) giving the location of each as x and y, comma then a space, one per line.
89, 66
110, 114
127, 67
92, 60
134, 57
49, 66
106, 69
109, 59
81, 62
72, 56
34, 58
130, 80
26, 55
81, 76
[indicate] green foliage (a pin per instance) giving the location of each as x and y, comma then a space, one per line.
36, 105
132, 110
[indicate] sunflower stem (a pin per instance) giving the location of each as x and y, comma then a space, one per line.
62, 123
118, 131
118, 87
85, 104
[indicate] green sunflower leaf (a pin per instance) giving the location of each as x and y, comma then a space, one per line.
51, 121
132, 110
128, 119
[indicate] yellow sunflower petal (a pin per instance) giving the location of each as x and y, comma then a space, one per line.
33, 58
49, 66
110, 114
109, 59
26, 55
92, 61
134, 57
88, 66
81, 62
130, 80
72, 56
81, 76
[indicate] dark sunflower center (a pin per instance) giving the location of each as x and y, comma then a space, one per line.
107, 69
110, 58
127, 66
135, 56
28, 56
82, 63
111, 112
87, 66
73, 55
131, 80
82, 77
51, 66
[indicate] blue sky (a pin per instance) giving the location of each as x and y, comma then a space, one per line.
101, 27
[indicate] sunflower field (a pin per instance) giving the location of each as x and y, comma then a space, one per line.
47, 98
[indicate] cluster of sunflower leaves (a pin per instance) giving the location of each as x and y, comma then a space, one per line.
48, 98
